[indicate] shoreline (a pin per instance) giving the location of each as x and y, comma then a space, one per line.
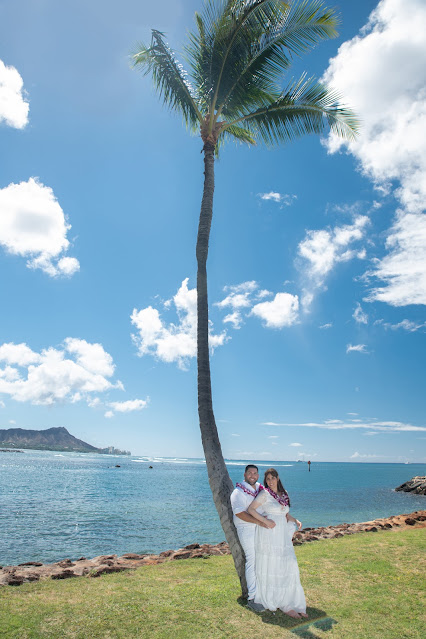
66, 568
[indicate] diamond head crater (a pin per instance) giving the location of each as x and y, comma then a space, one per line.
58, 439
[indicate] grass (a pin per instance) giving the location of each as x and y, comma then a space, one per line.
363, 586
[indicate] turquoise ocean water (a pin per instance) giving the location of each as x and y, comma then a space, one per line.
59, 505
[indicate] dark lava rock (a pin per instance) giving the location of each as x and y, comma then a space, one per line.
103, 570
64, 574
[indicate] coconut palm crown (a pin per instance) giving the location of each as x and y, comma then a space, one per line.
238, 56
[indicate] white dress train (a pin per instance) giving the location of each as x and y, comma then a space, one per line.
277, 573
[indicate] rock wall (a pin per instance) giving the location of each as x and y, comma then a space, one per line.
66, 569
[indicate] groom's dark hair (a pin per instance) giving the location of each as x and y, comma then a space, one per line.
251, 466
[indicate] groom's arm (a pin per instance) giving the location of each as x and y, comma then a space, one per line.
250, 519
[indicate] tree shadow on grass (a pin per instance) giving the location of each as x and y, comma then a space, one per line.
302, 628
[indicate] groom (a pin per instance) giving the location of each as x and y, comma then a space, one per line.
245, 524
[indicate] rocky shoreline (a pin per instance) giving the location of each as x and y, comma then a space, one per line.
65, 569
417, 485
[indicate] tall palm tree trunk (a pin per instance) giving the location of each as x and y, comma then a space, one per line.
219, 479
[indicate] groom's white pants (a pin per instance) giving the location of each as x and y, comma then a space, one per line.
246, 537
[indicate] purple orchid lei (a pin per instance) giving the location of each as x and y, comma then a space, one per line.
281, 499
249, 492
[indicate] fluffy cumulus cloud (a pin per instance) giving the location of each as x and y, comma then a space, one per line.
322, 249
280, 198
240, 297
129, 406
33, 225
13, 105
75, 371
172, 342
403, 269
381, 74
282, 311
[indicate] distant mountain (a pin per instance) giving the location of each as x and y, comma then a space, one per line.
51, 439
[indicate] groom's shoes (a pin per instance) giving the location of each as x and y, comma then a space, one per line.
256, 607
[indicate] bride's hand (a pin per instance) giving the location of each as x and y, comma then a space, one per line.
270, 524
299, 524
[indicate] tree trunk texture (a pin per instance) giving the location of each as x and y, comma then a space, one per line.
219, 479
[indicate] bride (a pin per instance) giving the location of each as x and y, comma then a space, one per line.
277, 573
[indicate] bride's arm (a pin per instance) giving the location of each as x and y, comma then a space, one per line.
253, 512
296, 521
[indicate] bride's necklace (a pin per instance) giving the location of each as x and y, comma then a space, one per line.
281, 499
249, 492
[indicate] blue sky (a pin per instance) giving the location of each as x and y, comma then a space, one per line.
317, 263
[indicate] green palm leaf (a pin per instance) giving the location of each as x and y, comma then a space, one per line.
306, 106
263, 64
169, 77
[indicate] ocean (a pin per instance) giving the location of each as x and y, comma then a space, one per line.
67, 505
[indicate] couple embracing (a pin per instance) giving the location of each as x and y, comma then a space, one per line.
265, 529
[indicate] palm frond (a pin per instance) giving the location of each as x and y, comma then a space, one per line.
223, 23
262, 63
306, 106
239, 134
169, 76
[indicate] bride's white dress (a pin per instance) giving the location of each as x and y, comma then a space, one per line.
277, 573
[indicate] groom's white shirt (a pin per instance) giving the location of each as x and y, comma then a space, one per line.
240, 501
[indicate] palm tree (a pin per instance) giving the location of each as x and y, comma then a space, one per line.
238, 56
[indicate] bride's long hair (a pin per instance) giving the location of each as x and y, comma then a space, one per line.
280, 487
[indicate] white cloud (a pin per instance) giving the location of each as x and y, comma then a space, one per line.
33, 225
240, 296
359, 315
2, 404
129, 406
357, 348
66, 374
370, 424
13, 106
92, 357
323, 249
273, 436
295, 444
405, 324
326, 326
359, 456
109, 414
389, 96
19, 354
93, 402
280, 198
282, 311
235, 319
403, 269
235, 435
175, 342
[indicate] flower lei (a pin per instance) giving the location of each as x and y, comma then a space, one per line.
281, 499
248, 492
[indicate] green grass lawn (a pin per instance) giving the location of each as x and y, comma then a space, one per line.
363, 586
